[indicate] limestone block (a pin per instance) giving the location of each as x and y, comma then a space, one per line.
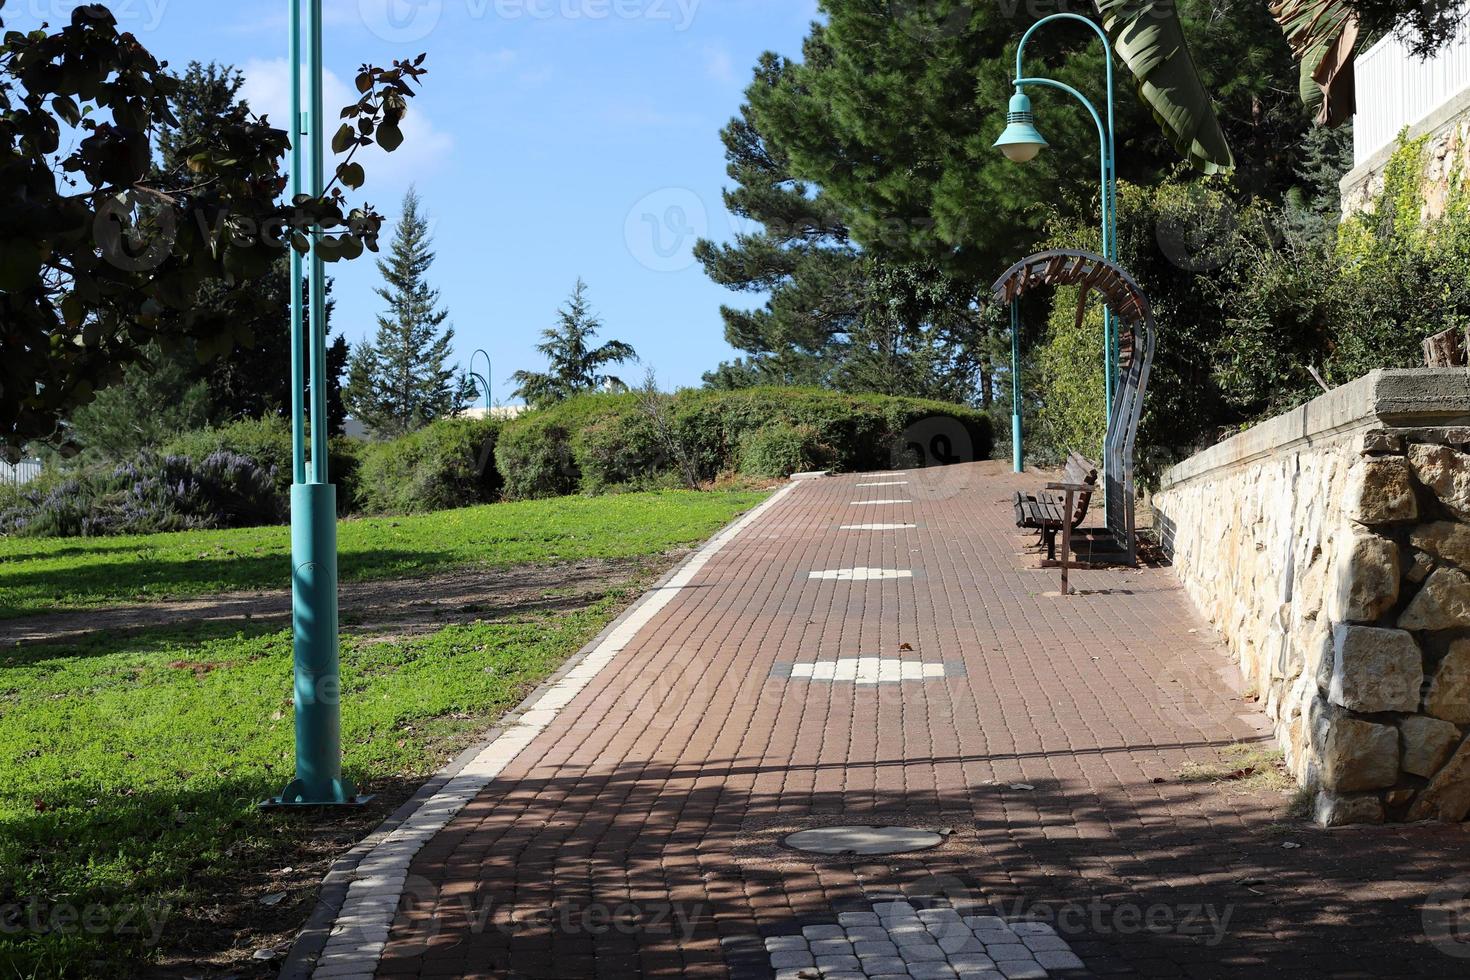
1352, 754
1310, 587
1427, 743
1377, 442
1333, 810
1375, 669
1443, 603
1366, 578
1447, 797
1446, 471
1449, 691
1419, 568
1449, 540
1379, 491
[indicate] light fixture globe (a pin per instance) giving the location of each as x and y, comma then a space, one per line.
1020, 142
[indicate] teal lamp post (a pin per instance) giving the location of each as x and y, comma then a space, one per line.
318, 686
482, 380
1021, 142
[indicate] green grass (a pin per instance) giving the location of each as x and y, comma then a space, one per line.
42, 574
129, 772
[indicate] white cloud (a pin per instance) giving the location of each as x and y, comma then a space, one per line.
268, 90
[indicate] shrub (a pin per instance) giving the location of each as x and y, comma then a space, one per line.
267, 441
450, 463
170, 493
599, 442
782, 450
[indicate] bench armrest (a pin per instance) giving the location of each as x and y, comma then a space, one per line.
1076, 487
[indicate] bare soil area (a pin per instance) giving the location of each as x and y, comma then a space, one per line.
386, 609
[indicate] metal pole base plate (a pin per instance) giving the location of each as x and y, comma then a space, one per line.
341, 793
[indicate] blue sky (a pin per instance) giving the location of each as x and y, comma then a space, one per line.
552, 139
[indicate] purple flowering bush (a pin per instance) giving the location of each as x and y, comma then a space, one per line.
154, 493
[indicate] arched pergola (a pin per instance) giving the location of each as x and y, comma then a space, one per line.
1094, 274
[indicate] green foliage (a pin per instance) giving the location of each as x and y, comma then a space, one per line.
446, 464
253, 378
880, 209
39, 575
781, 450
1249, 298
576, 366
268, 441
401, 380
1071, 413
96, 261
596, 442
157, 398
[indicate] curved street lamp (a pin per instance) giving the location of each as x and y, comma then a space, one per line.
482, 380
1021, 142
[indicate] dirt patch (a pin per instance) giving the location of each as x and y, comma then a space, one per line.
389, 609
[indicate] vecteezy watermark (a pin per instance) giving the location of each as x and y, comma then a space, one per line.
38, 917
662, 227
425, 907
1101, 918
936, 440
1447, 918
1197, 237
400, 21
131, 15
405, 21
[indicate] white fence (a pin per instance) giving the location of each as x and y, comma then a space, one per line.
1395, 89
18, 473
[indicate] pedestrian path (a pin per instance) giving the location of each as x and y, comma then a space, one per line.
874, 651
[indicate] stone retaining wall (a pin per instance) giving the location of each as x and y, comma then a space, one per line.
1331, 547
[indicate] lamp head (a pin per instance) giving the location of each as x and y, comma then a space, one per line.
1020, 142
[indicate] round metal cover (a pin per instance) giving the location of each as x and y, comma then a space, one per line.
863, 840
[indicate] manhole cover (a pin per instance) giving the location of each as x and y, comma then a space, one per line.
863, 840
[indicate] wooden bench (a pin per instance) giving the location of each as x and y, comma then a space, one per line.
1046, 512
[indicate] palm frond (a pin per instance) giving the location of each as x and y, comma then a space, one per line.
1149, 38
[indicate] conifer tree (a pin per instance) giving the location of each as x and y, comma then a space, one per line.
402, 379
576, 366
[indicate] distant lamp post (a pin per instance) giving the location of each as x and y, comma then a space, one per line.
482, 380
318, 684
1021, 142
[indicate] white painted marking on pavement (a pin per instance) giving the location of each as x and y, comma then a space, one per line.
873, 503
878, 527
868, 670
861, 574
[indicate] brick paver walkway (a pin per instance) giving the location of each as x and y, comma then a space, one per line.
639, 833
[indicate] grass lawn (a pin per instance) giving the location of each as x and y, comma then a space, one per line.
42, 574
130, 768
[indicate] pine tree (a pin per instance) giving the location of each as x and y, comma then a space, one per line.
576, 366
253, 379
401, 380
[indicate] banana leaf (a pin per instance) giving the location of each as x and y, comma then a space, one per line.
1323, 35
1148, 37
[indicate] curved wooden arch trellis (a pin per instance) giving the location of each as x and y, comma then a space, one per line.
1095, 274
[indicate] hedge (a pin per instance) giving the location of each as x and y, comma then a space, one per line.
446, 464
595, 443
